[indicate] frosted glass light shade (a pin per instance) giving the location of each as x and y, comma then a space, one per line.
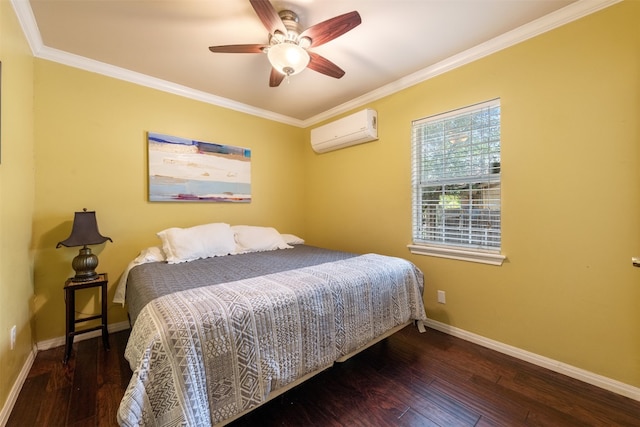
288, 58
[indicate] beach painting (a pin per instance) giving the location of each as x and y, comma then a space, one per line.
185, 170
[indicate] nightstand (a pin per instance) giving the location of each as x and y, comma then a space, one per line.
70, 288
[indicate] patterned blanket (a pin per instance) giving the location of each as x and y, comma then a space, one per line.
203, 355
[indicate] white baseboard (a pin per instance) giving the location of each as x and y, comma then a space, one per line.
5, 413
545, 362
57, 342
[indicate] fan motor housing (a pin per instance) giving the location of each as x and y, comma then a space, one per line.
291, 23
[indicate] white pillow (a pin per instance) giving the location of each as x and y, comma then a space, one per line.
200, 241
292, 239
257, 239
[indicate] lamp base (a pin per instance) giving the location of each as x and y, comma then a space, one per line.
84, 264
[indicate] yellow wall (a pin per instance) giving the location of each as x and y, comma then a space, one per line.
571, 195
16, 197
570, 168
91, 153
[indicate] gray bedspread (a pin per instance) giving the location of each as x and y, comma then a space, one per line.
202, 355
150, 281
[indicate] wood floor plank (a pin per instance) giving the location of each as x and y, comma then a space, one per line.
119, 341
412, 418
570, 396
438, 406
536, 409
381, 399
544, 419
82, 403
107, 401
457, 357
409, 379
53, 409
26, 409
485, 421
483, 401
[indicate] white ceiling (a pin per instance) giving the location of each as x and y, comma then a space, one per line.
164, 44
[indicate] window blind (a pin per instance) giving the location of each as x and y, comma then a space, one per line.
456, 177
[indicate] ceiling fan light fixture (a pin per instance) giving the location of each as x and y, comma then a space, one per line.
288, 58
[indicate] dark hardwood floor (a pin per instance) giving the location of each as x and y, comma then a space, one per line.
410, 379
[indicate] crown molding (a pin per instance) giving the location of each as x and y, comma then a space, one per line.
91, 65
27, 21
549, 22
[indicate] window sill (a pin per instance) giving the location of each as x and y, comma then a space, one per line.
459, 254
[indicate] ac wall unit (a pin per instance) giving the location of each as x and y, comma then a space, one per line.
351, 130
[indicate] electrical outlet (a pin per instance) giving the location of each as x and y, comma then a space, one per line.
442, 299
13, 337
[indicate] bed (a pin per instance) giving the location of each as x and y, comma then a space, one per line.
214, 338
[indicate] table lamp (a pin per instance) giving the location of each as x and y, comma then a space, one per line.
84, 232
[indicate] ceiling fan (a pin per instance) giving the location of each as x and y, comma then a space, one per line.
288, 47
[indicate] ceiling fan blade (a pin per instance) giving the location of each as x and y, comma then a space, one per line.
331, 28
268, 15
238, 48
323, 65
275, 78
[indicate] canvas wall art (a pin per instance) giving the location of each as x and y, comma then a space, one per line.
185, 170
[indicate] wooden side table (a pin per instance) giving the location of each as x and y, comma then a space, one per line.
70, 288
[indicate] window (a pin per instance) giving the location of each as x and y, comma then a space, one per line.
456, 184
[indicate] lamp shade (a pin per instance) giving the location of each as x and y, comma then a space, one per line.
288, 58
84, 231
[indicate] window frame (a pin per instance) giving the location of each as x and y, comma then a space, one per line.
475, 252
